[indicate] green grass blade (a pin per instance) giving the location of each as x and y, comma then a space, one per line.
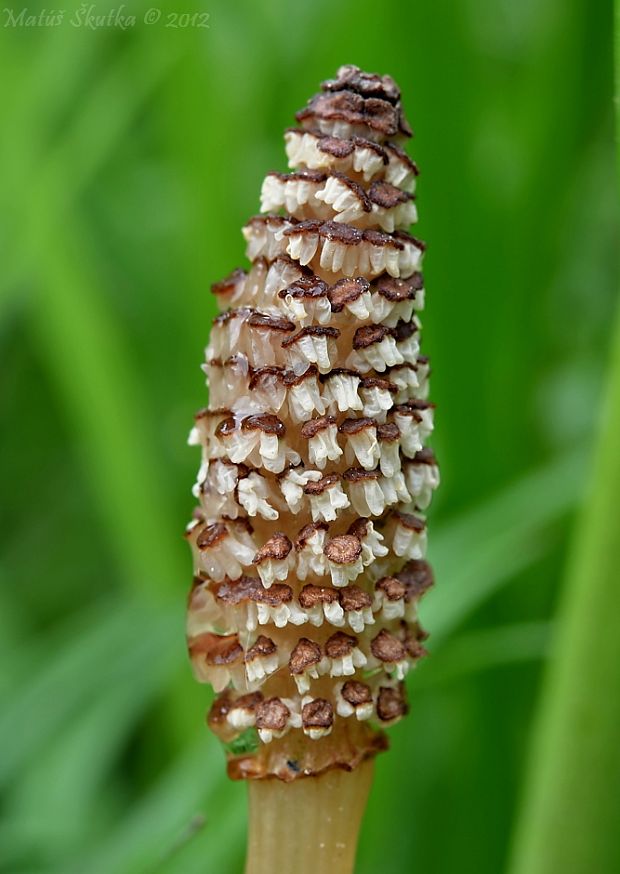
483, 650
99, 384
470, 554
570, 820
101, 122
151, 831
108, 644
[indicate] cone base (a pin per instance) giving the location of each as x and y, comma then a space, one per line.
294, 757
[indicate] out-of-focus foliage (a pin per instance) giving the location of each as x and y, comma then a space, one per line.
130, 159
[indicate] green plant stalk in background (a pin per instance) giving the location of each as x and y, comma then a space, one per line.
571, 815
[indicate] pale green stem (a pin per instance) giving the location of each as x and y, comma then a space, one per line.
310, 826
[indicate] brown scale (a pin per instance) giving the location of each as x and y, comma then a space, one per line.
324, 648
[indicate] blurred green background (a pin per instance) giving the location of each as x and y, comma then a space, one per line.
130, 159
